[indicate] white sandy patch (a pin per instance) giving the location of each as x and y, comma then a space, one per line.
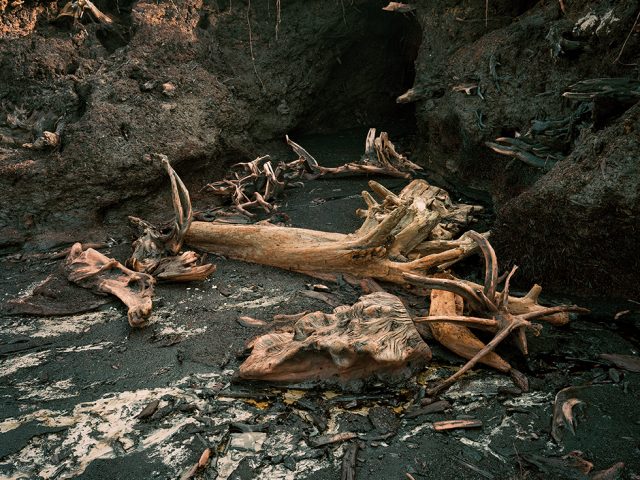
34, 390
12, 364
57, 326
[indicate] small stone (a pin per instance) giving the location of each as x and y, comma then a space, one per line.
290, 464
168, 89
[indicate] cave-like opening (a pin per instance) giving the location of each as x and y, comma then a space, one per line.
373, 65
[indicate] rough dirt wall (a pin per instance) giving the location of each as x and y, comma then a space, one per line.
574, 228
235, 83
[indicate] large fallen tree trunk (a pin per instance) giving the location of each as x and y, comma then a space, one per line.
406, 233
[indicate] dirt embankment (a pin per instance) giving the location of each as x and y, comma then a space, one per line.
203, 82
573, 228
207, 82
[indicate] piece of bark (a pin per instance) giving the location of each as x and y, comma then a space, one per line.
456, 424
322, 440
251, 322
149, 410
434, 407
349, 462
374, 337
91, 269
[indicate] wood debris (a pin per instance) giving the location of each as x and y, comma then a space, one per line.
496, 311
157, 250
630, 363
257, 184
456, 424
380, 158
375, 336
322, 440
91, 269
399, 7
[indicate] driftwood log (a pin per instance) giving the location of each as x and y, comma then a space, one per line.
406, 233
373, 337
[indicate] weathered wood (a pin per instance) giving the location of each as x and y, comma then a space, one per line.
380, 158
393, 231
493, 310
91, 269
455, 337
156, 251
375, 336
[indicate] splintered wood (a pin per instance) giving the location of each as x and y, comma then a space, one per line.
157, 250
373, 337
401, 234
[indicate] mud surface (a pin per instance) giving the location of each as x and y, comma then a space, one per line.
72, 387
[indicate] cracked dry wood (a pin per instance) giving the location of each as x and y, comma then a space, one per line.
93, 270
375, 336
156, 251
392, 241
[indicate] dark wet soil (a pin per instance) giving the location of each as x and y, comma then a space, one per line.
71, 387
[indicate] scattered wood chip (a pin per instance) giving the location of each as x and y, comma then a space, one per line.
455, 424
434, 407
630, 363
322, 440
250, 322
325, 297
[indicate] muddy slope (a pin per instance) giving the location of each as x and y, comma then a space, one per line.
203, 82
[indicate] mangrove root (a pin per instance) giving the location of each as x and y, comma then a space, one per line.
256, 184
375, 336
491, 307
380, 158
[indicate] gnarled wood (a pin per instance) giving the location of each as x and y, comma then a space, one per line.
492, 308
380, 158
156, 251
456, 337
380, 249
91, 269
375, 336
